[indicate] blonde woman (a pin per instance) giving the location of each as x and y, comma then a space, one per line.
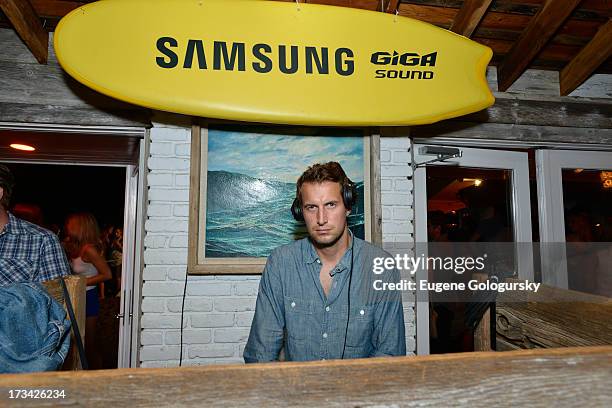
84, 249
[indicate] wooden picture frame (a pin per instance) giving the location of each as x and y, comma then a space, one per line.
200, 264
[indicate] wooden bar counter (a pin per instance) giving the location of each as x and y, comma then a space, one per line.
545, 377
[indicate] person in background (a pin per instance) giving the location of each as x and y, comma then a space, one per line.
436, 226
582, 262
106, 236
603, 274
578, 226
28, 253
84, 249
112, 244
116, 257
29, 212
436, 232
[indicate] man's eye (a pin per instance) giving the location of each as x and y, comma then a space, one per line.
331, 205
310, 207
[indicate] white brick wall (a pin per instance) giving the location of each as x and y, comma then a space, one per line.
396, 197
219, 309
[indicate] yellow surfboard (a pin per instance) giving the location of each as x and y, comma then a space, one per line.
274, 62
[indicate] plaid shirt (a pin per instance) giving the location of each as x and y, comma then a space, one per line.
29, 253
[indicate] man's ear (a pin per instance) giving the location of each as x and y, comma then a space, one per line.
1, 193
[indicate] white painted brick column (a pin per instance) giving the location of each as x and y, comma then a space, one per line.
397, 207
219, 309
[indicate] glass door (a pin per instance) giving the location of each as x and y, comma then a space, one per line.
575, 212
467, 203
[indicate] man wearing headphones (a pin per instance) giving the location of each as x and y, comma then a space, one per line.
316, 296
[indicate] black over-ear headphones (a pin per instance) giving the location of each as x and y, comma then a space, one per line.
349, 197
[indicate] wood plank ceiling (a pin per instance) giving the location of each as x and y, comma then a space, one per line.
570, 36
70, 147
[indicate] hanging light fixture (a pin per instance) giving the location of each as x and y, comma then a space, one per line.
477, 182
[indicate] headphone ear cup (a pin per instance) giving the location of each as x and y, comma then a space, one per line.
346, 196
349, 195
296, 210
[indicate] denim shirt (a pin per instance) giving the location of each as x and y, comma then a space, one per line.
292, 309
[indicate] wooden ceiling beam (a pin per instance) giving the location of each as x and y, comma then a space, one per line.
595, 5
372, 5
469, 16
55, 8
540, 29
587, 61
554, 52
392, 6
444, 16
26, 23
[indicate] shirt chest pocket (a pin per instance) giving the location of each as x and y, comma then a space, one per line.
17, 270
361, 326
298, 316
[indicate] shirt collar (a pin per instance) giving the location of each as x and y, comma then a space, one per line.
13, 226
345, 261
310, 255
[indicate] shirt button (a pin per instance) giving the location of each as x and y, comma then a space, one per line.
292, 304
327, 309
362, 312
324, 335
318, 261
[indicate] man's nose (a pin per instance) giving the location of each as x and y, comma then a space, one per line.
322, 217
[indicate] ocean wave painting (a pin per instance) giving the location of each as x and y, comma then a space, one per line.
250, 186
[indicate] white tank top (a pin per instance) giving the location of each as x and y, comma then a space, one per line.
86, 269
